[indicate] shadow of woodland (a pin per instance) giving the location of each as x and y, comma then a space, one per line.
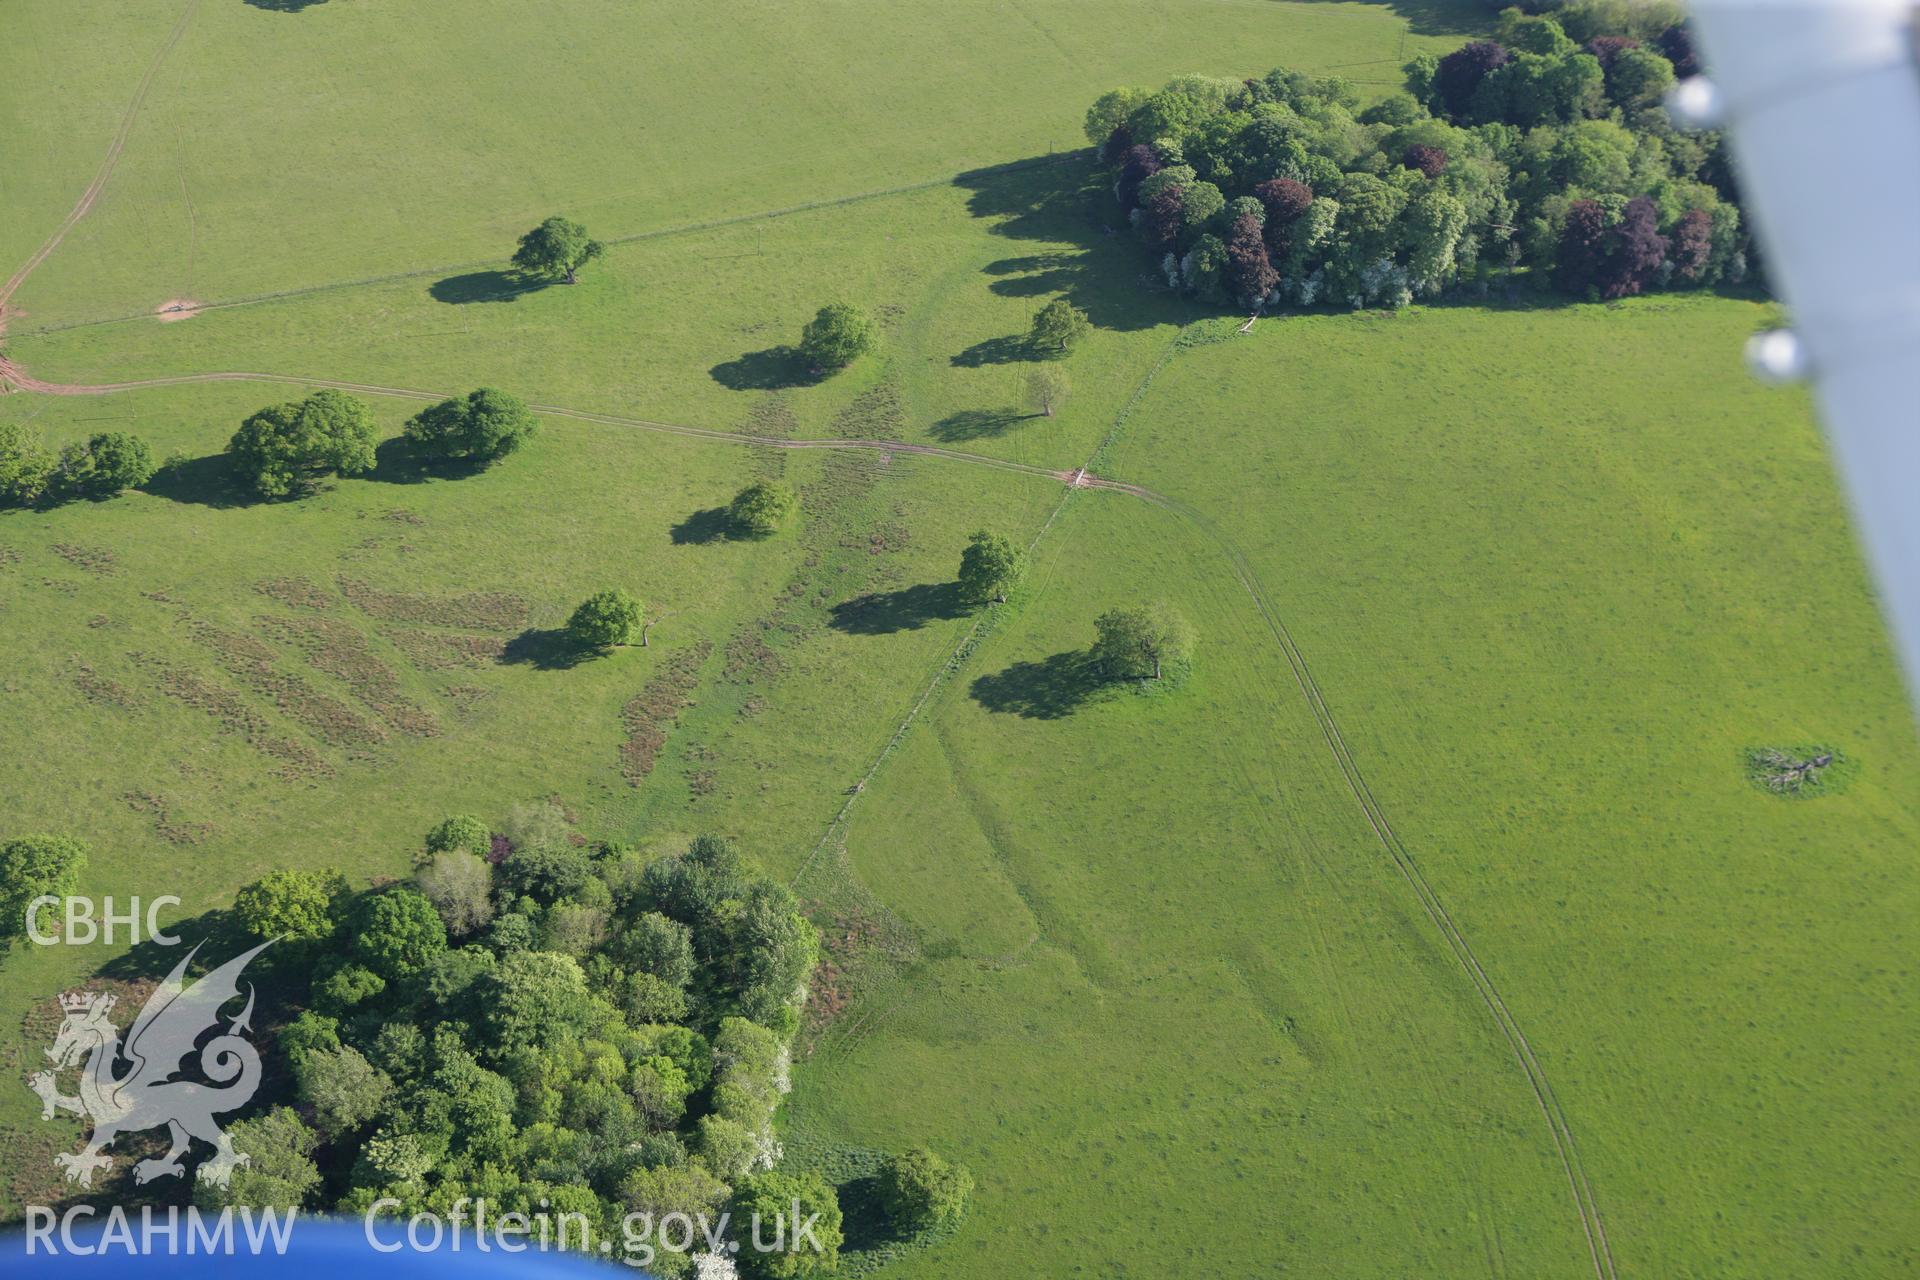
1089, 253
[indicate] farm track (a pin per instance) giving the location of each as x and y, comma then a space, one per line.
107, 165
1463, 953
1578, 1185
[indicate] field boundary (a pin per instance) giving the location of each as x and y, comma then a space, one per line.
637, 237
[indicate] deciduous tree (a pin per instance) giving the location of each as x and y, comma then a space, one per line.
1058, 325
1047, 389
284, 448
605, 620
919, 1190
484, 425
292, 903
557, 247
837, 336
761, 508
1250, 273
102, 465
1141, 642
32, 867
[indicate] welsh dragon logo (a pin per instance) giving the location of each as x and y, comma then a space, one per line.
145, 1095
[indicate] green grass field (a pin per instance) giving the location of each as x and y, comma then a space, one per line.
1141, 961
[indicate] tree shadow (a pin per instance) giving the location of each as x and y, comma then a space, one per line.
1047, 690
483, 286
882, 613
545, 649
203, 482
710, 525
285, 6
396, 461
865, 1224
1012, 349
775, 369
973, 424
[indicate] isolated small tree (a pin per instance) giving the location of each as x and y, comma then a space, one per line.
103, 465
919, 1190
1047, 389
483, 425
292, 903
604, 620
31, 867
1058, 325
26, 468
989, 566
557, 247
282, 449
840, 334
1142, 642
761, 508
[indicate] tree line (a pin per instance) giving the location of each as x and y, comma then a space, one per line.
1542, 158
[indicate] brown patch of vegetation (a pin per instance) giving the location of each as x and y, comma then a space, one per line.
101, 690
466, 698
321, 714
400, 515
32, 1176
295, 592
338, 650
9, 556
171, 831
92, 559
474, 610
438, 650
652, 712
299, 762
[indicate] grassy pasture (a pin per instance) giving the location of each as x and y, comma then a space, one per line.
1137, 960
698, 328
1553, 611
291, 144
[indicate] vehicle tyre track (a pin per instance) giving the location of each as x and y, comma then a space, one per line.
100, 177
1577, 1182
